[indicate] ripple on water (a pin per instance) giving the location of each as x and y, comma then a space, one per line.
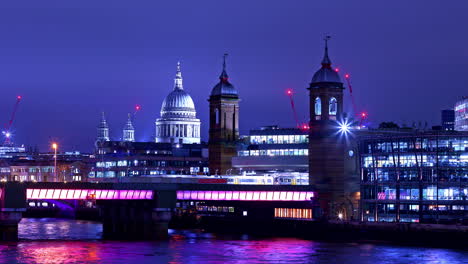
69, 241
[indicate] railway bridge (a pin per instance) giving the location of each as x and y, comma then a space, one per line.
142, 210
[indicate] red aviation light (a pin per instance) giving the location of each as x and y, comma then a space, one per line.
289, 92
347, 76
304, 127
137, 108
19, 97
363, 114
337, 70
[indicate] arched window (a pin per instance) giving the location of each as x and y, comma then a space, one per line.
333, 106
216, 116
318, 106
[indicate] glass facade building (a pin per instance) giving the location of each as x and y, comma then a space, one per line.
461, 115
448, 119
415, 177
116, 160
273, 149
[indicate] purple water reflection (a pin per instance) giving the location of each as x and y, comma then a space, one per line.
193, 247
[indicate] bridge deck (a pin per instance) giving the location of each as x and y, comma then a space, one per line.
147, 191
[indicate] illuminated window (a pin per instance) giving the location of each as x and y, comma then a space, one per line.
332, 106
318, 106
296, 213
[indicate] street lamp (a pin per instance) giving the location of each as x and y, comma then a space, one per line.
55, 146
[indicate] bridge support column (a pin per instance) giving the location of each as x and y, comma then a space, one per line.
161, 218
134, 220
9, 220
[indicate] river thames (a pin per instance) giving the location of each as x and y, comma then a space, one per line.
73, 241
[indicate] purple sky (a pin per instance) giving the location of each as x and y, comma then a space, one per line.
70, 60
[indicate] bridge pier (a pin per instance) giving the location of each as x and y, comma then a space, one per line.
161, 218
134, 220
9, 224
12, 206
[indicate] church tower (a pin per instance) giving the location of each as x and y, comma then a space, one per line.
129, 130
103, 130
224, 124
326, 143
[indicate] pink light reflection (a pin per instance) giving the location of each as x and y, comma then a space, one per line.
56, 194
245, 195
222, 195
73, 194
180, 196
63, 194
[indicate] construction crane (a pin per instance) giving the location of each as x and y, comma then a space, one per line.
348, 81
290, 92
7, 132
137, 109
303, 126
362, 115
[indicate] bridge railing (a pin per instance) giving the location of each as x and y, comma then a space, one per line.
86, 194
245, 195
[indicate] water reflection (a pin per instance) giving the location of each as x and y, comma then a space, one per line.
58, 229
198, 247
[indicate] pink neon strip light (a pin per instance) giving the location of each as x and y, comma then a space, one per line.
81, 194
244, 195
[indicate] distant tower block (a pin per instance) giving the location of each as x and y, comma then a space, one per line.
224, 124
326, 149
129, 130
178, 122
103, 130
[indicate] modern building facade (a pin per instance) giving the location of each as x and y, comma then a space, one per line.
117, 160
448, 120
415, 177
7, 152
461, 115
41, 168
272, 149
224, 124
178, 122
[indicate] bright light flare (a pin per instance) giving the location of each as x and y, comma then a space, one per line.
7, 134
363, 114
289, 92
54, 145
337, 70
344, 127
137, 107
347, 76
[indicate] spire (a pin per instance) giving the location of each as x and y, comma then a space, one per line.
129, 130
103, 121
103, 129
224, 77
326, 60
178, 79
129, 125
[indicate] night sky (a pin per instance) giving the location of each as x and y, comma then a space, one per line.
70, 60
